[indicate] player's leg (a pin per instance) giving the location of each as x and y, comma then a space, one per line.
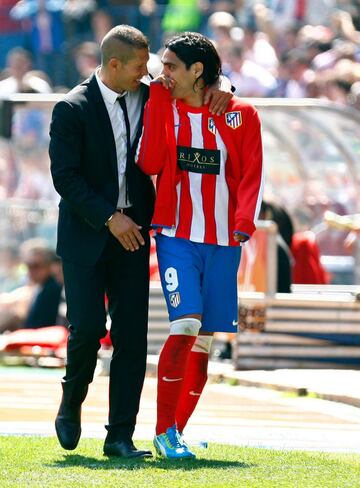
179, 267
194, 380
219, 287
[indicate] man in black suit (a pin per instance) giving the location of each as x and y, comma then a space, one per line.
103, 240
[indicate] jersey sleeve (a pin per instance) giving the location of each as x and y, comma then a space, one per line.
158, 121
250, 189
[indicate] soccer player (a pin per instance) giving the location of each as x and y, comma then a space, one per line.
209, 188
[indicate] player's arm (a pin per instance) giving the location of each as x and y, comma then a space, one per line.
249, 193
158, 126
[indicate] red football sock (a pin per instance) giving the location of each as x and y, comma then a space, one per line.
192, 387
171, 370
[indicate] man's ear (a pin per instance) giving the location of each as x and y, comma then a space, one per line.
198, 69
114, 63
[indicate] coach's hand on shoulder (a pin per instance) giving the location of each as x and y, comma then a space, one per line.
126, 231
219, 95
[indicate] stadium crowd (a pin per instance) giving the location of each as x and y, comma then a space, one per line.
269, 48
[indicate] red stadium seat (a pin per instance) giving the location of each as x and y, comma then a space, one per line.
45, 346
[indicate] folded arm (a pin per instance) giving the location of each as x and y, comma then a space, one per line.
158, 122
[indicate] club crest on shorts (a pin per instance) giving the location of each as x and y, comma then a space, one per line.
233, 119
174, 299
211, 125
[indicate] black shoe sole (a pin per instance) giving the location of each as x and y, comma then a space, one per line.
135, 456
67, 447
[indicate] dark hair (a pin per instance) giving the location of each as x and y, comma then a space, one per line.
120, 42
280, 216
191, 48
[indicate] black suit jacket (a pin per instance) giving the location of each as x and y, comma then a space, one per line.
84, 170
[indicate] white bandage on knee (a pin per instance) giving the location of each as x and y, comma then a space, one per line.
187, 326
202, 344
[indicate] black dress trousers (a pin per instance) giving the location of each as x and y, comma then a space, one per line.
124, 277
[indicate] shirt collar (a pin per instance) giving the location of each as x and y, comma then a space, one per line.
146, 80
108, 95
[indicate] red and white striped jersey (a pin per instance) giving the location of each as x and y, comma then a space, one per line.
209, 168
202, 199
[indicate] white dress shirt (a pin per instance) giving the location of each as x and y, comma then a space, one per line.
116, 115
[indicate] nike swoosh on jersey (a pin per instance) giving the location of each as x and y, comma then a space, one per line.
171, 379
235, 323
193, 393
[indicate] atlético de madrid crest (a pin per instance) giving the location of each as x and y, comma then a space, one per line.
174, 299
211, 125
233, 119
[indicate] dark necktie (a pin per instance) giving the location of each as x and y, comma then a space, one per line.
122, 103
127, 124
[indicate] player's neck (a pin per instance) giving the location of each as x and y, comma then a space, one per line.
112, 84
194, 99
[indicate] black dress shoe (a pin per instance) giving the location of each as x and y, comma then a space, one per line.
68, 426
125, 449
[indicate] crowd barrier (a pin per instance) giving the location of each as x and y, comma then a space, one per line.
314, 327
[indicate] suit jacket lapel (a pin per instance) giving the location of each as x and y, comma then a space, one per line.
103, 122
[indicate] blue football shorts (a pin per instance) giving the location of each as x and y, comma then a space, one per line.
200, 279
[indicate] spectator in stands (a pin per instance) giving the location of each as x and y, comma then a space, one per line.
300, 74
18, 63
307, 268
276, 213
258, 49
77, 18
221, 27
19, 77
248, 78
11, 33
36, 304
289, 13
87, 58
298, 253
101, 24
39, 260
78, 30
43, 20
